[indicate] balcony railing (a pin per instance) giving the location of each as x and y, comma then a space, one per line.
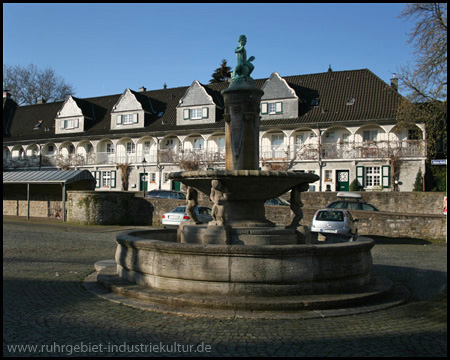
342, 151
274, 152
373, 149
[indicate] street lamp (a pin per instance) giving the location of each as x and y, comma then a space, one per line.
144, 179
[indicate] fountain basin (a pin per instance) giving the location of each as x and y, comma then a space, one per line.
246, 191
154, 259
244, 185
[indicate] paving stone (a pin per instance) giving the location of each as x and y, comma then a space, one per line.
42, 309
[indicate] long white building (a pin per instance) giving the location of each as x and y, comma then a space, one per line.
339, 124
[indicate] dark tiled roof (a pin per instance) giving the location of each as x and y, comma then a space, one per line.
374, 100
46, 177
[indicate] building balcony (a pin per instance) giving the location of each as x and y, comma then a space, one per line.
346, 151
210, 157
373, 150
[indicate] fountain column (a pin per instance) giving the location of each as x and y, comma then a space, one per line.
242, 107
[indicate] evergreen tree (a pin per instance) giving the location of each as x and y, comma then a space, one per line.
354, 186
418, 185
221, 74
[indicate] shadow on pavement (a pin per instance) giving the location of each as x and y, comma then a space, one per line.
398, 241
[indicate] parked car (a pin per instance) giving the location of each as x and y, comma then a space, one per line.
277, 201
351, 201
166, 194
174, 218
334, 221
351, 205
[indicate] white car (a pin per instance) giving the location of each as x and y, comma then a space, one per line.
174, 218
334, 222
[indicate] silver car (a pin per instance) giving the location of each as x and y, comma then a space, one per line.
334, 221
174, 218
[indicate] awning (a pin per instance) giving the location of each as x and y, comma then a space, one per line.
62, 177
46, 177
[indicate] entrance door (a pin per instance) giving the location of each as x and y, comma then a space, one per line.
342, 180
143, 184
176, 185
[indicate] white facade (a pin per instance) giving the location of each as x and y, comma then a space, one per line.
339, 152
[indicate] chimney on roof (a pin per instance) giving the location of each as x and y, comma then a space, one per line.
165, 86
42, 101
394, 82
142, 88
6, 94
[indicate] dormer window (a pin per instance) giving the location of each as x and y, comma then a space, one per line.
272, 108
195, 113
70, 118
196, 106
69, 124
127, 119
350, 101
130, 111
315, 102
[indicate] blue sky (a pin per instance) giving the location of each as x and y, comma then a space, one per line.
102, 49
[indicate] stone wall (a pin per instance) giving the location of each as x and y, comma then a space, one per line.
402, 202
97, 207
380, 223
399, 224
107, 208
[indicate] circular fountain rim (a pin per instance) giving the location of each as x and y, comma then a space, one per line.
127, 239
221, 173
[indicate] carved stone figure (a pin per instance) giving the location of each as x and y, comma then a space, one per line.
192, 202
297, 204
218, 196
243, 67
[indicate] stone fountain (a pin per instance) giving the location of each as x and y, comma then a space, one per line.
239, 191
240, 261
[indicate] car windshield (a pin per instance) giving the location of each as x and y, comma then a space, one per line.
179, 209
338, 205
203, 211
330, 216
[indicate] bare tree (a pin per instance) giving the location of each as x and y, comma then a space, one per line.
426, 79
29, 84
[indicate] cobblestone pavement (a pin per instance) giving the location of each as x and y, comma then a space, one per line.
47, 312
